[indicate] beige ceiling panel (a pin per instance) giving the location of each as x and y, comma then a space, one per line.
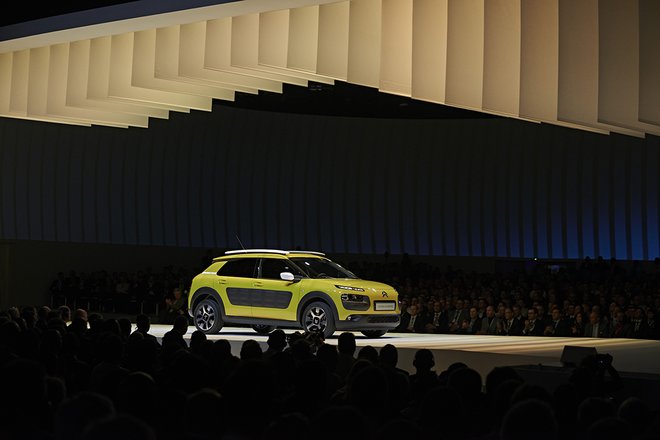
578, 66
273, 38
618, 70
245, 52
144, 68
396, 47
364, 36
37, 95
5, 81
465, 53
121, 81
219, 44
98, 87
539, 59
649, 61
501, 85
429, 50
189, 42
57, 96
332, 52
78, 81
303, 39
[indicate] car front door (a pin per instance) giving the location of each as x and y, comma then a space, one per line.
276, 298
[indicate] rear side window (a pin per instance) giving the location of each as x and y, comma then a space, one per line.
243, 267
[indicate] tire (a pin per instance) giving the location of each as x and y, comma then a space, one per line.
208, 316
318, 317
263, 329
374, 333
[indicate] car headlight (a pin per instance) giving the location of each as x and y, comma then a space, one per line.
356, 289
354, 298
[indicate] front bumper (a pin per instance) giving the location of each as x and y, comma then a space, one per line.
369, 322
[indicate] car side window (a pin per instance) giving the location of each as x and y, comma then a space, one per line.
241, 267
271, 268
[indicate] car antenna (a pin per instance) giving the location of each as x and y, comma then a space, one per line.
239, 242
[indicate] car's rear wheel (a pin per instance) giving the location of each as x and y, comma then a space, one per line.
208, 317
317, 317
263, 329
374, 333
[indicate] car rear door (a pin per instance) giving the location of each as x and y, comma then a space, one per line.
236, 285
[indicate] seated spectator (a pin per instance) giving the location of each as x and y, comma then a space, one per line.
175, 306
510, 326
490, 323
143, 325
558, 326
596, 327
533, 324
411, 321
471, 325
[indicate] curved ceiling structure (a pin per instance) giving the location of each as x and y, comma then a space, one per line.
586, 64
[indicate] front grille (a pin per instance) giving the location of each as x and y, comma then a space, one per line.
376, 319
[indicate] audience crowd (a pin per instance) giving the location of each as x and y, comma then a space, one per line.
77, 375
592, 298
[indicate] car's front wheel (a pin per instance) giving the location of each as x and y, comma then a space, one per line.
374, 333
317, 317
208, 317
263, 329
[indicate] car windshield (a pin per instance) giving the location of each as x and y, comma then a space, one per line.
322, 268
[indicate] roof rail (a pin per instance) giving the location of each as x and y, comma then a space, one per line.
257, 251
270, 251
306, 252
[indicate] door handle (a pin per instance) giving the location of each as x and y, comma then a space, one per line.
257, 284
222, 281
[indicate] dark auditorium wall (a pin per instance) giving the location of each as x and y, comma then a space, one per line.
491, 187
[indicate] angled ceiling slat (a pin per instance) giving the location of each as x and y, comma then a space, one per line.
144, 72
364, 35
396, 47
429, 54
501, 78
303, 37
332, 50
121, 86
577, 100
77, 86
618, 68
57, 96
649, 61
192, 49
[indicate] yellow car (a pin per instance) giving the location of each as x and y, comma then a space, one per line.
268, 288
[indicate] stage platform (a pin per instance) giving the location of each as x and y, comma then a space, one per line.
482, 353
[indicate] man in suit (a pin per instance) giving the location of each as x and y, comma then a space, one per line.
489, 323
412, 322
437, 321
533, 324
558, 326
472, 325
510, 326
595, 328
457, 316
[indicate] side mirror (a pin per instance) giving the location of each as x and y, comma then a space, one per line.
287, 276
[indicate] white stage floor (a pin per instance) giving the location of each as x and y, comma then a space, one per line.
482, 353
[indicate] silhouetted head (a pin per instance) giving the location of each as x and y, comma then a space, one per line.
529, 419
369, 353
346, 343
181, 325
388, 356
424, 360
277, 340
143, 323
250, 350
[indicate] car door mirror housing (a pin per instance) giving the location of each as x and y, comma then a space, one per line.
287, 276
